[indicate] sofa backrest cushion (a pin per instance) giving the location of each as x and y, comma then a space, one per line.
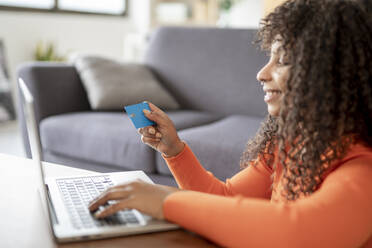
112, 84
209, 69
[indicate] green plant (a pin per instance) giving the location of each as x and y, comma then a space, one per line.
47, 53
226, 5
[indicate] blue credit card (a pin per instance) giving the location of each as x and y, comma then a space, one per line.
135, 113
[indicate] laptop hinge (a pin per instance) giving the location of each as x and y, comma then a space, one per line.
51, 207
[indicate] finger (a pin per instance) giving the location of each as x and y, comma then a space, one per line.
150, 141
112, 194
112, 209
153, 136
155, 109
150, 130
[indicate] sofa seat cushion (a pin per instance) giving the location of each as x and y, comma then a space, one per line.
107, 138
219, 145
189, 119
101, 137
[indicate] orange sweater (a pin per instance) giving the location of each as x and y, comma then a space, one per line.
242, 211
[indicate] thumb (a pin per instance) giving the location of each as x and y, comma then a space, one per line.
154, 116
154, 108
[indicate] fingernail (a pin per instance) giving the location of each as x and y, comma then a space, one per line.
152, 131
146, 111
158, 135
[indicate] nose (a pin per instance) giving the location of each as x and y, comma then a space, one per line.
264, 75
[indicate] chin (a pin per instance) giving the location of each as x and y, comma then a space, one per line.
273, 110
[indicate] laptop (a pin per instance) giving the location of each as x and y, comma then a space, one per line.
66, 199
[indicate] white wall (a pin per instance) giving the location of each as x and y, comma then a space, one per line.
246, 14
21, 32
140, 15
103, 35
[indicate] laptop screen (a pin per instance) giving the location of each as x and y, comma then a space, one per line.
34, 140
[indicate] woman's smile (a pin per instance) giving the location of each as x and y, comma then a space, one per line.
272, 95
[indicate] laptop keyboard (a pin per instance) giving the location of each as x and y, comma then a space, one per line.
77, 193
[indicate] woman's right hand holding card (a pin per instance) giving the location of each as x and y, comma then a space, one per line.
163, 137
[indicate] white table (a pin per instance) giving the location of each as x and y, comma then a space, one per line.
23, 222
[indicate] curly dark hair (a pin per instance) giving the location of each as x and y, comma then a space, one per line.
327, 106
367, 5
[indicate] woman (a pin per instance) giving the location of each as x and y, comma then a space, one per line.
307, 177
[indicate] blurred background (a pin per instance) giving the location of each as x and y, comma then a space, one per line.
56, 30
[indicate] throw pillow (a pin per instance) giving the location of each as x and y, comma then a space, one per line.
112, 85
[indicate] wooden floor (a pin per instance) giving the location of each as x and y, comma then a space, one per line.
10, 139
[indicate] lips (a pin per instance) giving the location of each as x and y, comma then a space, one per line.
272, 94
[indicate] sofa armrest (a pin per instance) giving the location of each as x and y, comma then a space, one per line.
56, 88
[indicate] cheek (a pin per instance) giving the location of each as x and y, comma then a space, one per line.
282, 76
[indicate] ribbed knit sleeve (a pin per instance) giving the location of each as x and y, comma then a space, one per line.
253, 181
338, 214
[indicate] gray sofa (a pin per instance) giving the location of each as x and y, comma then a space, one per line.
212, 74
